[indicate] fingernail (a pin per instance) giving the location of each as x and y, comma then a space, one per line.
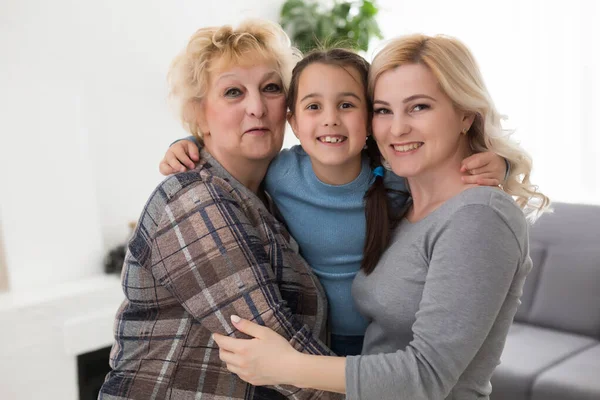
235, 319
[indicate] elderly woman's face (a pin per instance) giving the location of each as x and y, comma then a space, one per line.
244, 113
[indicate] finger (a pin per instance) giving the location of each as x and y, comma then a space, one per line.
475, 178
173, 162
228, 357
488, 182
479, 180
192, 150
165, 168
485, 170
182, 156
473, 162
230, 344
249, 328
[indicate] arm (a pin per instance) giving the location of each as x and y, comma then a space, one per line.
181, 155
485, 169
209, 256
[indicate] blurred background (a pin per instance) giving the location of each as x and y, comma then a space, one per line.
84, 122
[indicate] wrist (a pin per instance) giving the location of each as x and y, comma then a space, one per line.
296, 367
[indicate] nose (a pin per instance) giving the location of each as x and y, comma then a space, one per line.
331, 117
399, 126
256, 105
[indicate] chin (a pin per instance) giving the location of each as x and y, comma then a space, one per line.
262, 155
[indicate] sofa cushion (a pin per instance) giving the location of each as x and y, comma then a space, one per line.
529, 351
576, 378
562, 290
569, 225
567, 295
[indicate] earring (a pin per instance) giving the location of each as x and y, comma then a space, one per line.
464, 131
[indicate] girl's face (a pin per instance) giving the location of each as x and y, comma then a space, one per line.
331, 115
415, 124
242, 116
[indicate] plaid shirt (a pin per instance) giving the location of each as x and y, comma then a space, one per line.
205, 248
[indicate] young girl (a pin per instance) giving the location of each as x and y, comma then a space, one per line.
321, 186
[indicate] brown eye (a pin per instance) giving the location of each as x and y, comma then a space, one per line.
272, 88
233, 92
381, 111
420, 107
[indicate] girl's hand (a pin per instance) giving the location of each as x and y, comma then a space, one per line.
485, 169
264, 360
181, 156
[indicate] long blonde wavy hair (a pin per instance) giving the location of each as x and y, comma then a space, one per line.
459, 77
252, 41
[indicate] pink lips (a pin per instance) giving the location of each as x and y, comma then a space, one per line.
257, 130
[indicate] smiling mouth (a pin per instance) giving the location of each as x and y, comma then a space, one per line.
332, 139
404, 148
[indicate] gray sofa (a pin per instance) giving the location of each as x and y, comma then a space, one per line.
553, 349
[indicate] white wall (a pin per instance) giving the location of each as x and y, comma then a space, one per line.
84, 121
541, 62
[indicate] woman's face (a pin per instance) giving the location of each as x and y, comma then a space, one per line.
243, 114
415, 123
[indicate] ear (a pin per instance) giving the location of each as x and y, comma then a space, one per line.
291, 118
467, 120
198, 108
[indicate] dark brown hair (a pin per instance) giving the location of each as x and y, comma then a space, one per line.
380, 218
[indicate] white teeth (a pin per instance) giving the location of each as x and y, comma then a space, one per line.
407, 147
331, 139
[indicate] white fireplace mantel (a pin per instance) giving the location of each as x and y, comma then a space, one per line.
42, 332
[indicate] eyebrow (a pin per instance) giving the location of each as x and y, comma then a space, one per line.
266, 76
406, 100
343, 94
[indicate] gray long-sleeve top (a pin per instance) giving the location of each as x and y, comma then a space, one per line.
441, 300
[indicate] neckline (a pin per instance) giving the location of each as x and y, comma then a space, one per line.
360, 180
449, 202
221, 172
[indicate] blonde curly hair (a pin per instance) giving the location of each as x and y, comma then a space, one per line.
250, 42
459, 77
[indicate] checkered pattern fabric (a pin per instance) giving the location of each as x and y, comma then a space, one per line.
205, 248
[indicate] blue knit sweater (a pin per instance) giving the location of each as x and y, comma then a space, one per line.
328, 222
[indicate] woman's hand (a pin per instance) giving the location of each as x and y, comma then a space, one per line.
264, 360
485, 169
181, 156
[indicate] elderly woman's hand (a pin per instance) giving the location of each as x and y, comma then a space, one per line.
181, 156
264, 360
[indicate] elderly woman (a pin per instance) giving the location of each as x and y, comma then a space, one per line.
442, 297
207, 245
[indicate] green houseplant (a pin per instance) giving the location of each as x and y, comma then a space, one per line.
346, 23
